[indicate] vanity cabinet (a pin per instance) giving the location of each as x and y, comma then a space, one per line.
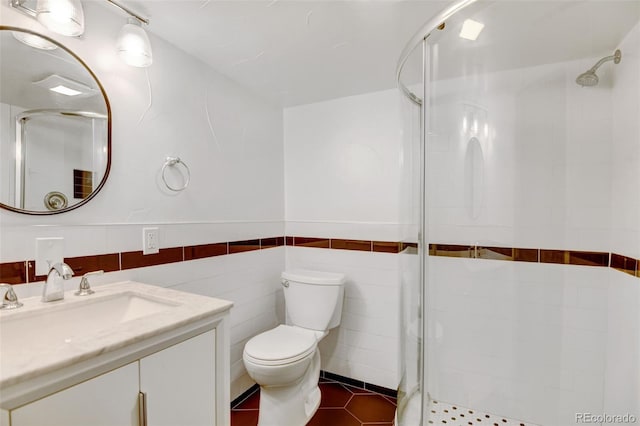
174, 386
107, 400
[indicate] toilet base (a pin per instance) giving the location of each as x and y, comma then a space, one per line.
294, 404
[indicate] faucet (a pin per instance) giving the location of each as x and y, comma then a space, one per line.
53, 288
85, 287
10, 300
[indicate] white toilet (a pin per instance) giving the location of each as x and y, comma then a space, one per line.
285, 361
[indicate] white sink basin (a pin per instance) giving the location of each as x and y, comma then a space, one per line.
64, 323
47, 347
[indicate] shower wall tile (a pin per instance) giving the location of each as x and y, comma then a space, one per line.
512, 335
623, 342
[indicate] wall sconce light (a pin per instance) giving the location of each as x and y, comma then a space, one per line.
133, 44
33, 40
64, 17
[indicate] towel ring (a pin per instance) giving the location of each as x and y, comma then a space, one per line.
172, 162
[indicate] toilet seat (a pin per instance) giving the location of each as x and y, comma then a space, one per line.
281, 345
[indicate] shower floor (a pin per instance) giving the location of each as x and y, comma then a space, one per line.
441, 413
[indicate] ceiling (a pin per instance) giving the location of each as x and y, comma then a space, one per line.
303, 51
293, 51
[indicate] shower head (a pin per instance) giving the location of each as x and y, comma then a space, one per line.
589, 78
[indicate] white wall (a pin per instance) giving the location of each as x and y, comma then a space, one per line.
342, 167
622, 379
542, 176
232, 142
342, 180
557, 169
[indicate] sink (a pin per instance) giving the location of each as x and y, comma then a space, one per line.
47, 347
68, 322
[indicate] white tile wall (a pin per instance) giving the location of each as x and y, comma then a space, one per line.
528, 341
542, 175
343, 170
622, 376
560, 163
233, 144
343, 159
365, 345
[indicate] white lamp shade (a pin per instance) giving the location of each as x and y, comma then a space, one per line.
64, 17
33, 40
134, 46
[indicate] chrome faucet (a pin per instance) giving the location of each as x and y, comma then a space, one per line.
85, 287
10, 300
54, 288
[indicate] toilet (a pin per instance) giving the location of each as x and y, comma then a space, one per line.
285, 361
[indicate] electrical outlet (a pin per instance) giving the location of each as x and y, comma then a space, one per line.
150, 241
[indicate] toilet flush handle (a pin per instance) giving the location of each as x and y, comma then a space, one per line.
285, 283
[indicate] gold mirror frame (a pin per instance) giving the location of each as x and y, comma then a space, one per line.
108, 141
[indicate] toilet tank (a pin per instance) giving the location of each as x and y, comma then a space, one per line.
313, 298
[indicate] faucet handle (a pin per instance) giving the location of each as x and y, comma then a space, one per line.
85, 287
10, 300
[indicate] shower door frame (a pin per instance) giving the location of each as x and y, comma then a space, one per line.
420, 38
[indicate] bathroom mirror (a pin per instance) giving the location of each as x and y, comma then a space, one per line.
55, 126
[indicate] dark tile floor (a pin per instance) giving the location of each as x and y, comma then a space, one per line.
341, 405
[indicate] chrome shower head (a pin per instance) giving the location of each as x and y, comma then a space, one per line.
589, 78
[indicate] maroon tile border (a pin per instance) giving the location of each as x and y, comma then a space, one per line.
23, 271
388, 246
135, 259
83, 264
266, 243
589, 258
242, 246
360, 245
13, 272
526, 255
622, 263
312, 242
625, 264
205, 250
573, 257
450, 250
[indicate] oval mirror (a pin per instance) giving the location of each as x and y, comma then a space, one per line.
55, 126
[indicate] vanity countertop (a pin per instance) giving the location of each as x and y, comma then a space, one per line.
96, 332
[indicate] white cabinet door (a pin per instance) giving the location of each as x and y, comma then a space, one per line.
179, 383
107, 400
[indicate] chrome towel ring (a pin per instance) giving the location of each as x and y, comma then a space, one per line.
173, 162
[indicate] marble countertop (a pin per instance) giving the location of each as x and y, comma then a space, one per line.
47, 347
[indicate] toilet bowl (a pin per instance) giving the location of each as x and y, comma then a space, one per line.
285, 361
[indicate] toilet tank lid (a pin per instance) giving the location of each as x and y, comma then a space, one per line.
314, 277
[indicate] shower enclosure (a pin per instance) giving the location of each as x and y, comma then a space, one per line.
522, 180
57, 156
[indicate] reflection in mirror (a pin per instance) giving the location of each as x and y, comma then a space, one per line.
55, 126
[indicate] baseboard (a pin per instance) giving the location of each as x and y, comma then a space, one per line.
359, 384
